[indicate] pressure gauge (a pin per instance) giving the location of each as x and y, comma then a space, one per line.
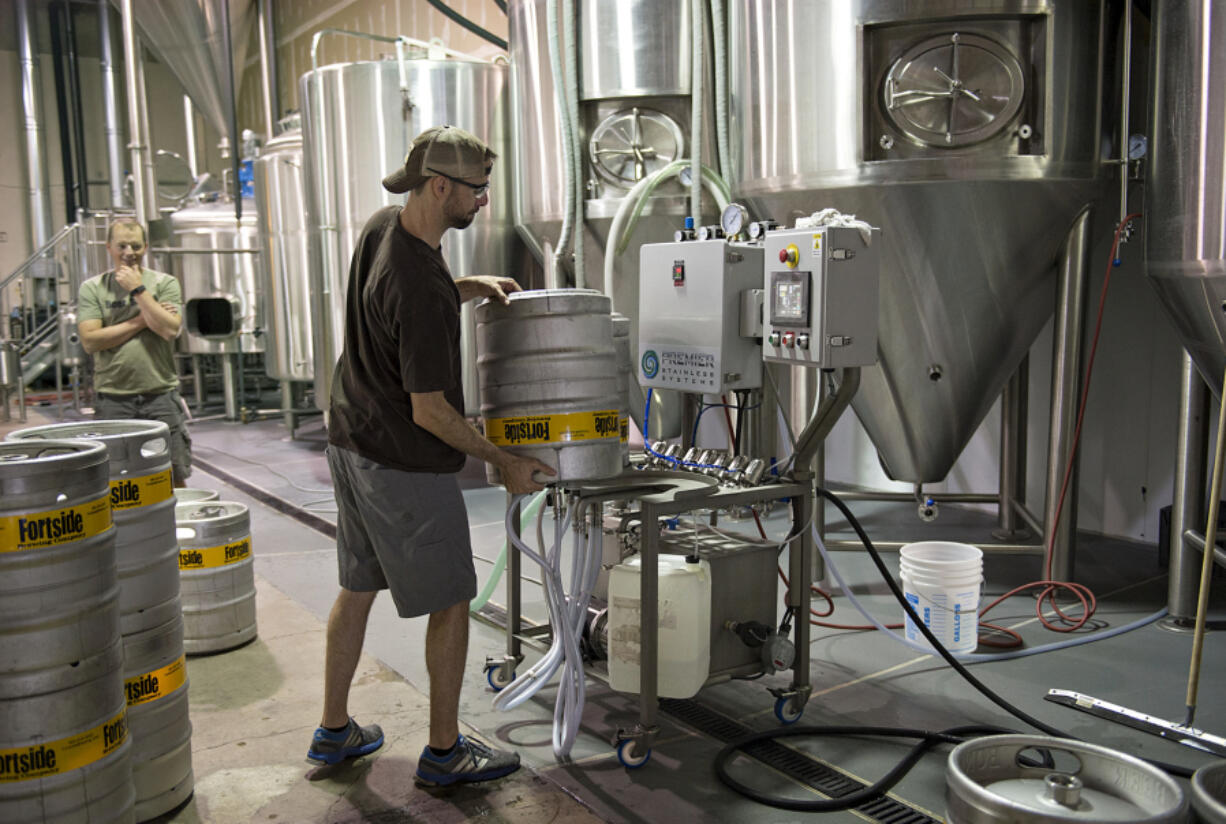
710, 233
631, 144
954, 90
733, 219
759, 228
1138, 146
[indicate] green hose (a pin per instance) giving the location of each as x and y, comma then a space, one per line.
528, 513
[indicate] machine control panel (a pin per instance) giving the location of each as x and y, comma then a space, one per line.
691, 305
820, 302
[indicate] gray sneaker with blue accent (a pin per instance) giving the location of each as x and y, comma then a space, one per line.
470, 761
328, 747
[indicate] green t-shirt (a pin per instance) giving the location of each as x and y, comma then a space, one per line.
145, 363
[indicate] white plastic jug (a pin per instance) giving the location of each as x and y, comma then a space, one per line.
684, 626
941, 581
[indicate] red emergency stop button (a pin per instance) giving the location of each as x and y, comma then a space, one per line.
789, 255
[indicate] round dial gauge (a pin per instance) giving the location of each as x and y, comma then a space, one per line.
954, 90
733, 220
630, 144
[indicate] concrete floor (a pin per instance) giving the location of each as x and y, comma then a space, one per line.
253, 709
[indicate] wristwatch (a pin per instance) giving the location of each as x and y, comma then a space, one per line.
138, 290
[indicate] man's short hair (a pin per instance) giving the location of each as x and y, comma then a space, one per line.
125, 221
448, 151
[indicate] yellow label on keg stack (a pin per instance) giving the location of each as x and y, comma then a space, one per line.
39, 530
625, 428
214, 556
46, 758
157, 684
129, 493
530, 430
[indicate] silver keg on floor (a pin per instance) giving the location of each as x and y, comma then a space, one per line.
621, 344
1209, 793
547, 369
992, 780
64, 751
190, 496
217, 572
150, 619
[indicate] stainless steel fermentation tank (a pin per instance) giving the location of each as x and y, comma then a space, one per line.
216, 261
283, 264
1185, 199
968, 132
634, 59
357, 127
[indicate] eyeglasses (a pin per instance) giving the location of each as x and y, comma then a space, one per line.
478, 188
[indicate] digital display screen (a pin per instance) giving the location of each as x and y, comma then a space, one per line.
789, 299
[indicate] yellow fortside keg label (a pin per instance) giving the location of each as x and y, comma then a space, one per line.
528, 430
39, 530
157, 684
54, 757
625, 428
215, 556
129, 493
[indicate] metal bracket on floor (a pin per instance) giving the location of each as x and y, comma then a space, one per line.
500, 670
644, 738
790, 703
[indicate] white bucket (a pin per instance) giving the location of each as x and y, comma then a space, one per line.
941, 581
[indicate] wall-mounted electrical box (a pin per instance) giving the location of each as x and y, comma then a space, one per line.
820, 297
690, 316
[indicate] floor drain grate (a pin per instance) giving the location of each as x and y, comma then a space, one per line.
792, 763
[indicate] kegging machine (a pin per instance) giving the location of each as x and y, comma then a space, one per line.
662, 605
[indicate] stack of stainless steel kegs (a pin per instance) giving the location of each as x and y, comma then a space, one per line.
66, 754
150, 619
621, 343
547, 371
217, 574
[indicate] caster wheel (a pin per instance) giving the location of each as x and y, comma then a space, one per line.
629, 761
494, 677
785, 713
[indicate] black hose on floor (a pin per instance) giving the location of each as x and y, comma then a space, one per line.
928, 739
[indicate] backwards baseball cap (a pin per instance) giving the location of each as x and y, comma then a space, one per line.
441, 150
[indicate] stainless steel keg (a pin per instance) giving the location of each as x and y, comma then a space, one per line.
547, 369
1209, 793
987, 782
216, 566
621, 344
142, 506
64, 751
191, 496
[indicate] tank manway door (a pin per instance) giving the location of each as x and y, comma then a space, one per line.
820, 300
691, 333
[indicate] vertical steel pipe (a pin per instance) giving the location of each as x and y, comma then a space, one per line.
1013, 402
1073, 269
189, 130
148, 172
1188, 508
227, 42
268, 67
132, 62
78, 114
31, 111
110, 106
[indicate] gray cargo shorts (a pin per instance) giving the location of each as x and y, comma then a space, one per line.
161, 406
406, 532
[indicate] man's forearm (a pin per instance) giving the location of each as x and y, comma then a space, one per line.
446, 424
108, 337
165, 324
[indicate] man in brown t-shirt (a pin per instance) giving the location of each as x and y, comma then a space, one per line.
397, 436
